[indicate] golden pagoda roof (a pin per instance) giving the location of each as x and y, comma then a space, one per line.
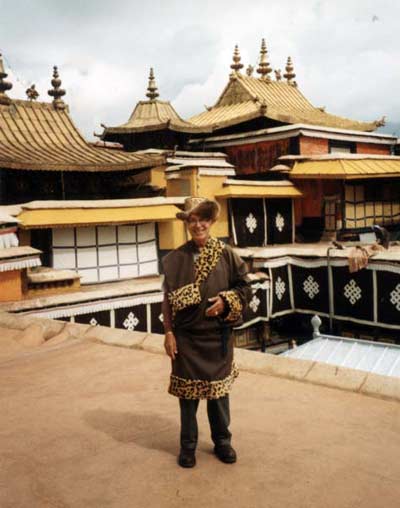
41, 136
247, 97
153, 115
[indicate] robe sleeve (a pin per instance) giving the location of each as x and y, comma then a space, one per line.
239, 292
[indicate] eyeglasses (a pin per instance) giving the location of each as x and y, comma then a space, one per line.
202, 222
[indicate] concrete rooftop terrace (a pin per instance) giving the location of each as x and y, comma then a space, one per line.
88, 424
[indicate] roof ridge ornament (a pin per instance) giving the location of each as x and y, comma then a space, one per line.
4, 85
236, 65
152, 90
250, 70
381, 122
264, 67
278, 74
57, 92
263, 107
32, 93
289, 74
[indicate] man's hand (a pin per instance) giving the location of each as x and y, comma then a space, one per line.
217, 308
170, 345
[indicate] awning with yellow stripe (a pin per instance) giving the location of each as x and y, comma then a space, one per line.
269, 190
347, 169
63, 217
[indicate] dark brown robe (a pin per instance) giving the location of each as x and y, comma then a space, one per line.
203, 367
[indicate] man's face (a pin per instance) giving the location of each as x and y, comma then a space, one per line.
199, 228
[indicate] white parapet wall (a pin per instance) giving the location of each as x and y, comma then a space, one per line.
251, 361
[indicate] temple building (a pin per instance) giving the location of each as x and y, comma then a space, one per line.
269, 130
289, 178
347, 178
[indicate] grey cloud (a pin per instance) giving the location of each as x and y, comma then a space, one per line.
104, 50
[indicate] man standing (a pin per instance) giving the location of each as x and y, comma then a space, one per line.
205, 293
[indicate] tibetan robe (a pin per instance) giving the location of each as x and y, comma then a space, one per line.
203, 367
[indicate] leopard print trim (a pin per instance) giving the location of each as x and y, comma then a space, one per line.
201, 388
189, 294
183, 297
231, 298
208, 259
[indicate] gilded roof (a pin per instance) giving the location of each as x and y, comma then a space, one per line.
153, 115
248, 97
38, 136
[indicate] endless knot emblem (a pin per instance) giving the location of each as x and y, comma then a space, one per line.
280, 288
251, 223
352, 292
131, 322
395, 297
161, 317
254, 303
311, 287
279, 222
93, 322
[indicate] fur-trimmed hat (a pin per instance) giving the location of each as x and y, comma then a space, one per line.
203, 207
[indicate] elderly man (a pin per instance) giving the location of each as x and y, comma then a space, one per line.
205, 292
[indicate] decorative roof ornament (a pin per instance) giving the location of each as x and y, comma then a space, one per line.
381, 122
4, 85
278, 74
152, 92
32, 93
250, 70
263, 108
57, 92
264, 67
289, 74
236, 65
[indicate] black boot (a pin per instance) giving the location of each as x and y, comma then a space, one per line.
187, 458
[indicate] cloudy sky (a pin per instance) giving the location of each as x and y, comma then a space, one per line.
346, 52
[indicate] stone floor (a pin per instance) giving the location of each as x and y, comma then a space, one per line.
90, 425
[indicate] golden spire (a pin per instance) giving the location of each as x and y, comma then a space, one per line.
152, 92
4, 85
32, 93
289, 74
57, 92
236, 65
264, 67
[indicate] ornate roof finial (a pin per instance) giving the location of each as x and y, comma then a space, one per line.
381, 122
4, 85
263, 67
289, 74
32, 93
278, 74
249, 70
56, 92
152, 92
236, 65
